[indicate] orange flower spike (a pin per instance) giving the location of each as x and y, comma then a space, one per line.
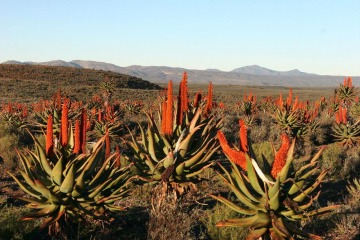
77, 137
64, 123
24, 112
349, 82
280, 101
184, 94
169, 110
296, 103
340, 114
289, 99
236, 157
84, 126
221, 105
163, 117
49, 145
344, 115
197, 99
315, 113
179, 112
345, 82
251, 97
243, 137
280, 157
209, 102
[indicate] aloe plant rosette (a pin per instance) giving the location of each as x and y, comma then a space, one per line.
180, 147
64, 186
272, 203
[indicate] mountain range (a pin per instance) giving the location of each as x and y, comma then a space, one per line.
249, 75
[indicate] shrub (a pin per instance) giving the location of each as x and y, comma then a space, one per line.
333, 158
12, 228
218, 213
8, 143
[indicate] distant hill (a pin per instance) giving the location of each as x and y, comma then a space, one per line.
28, 83
257, 70
253, 75
68, 73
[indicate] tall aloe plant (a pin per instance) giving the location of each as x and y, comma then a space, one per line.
174, 152
272, 203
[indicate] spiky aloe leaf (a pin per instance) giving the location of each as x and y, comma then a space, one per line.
253, 177
69, 181
284, 172
234, 206
57, 172
46, 211
259, 221
241, 196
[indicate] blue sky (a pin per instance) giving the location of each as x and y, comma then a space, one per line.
314, 36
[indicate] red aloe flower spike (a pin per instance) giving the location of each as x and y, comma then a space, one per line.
251, 97
197, 99
344, 115
64, 124
339, 115
296, 104
163, 117
236, 157
280, 101
184, 94
9, 108
77, 137
169, 110
49, 146
24, 112
83, 130
179, 113
243, 137
281, 155
289, 99
183, 102
209, 102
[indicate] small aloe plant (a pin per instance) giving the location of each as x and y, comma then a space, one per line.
347, 91
272, 203
345, 131
294, 117
67, 184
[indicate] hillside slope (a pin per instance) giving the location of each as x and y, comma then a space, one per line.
31, 82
